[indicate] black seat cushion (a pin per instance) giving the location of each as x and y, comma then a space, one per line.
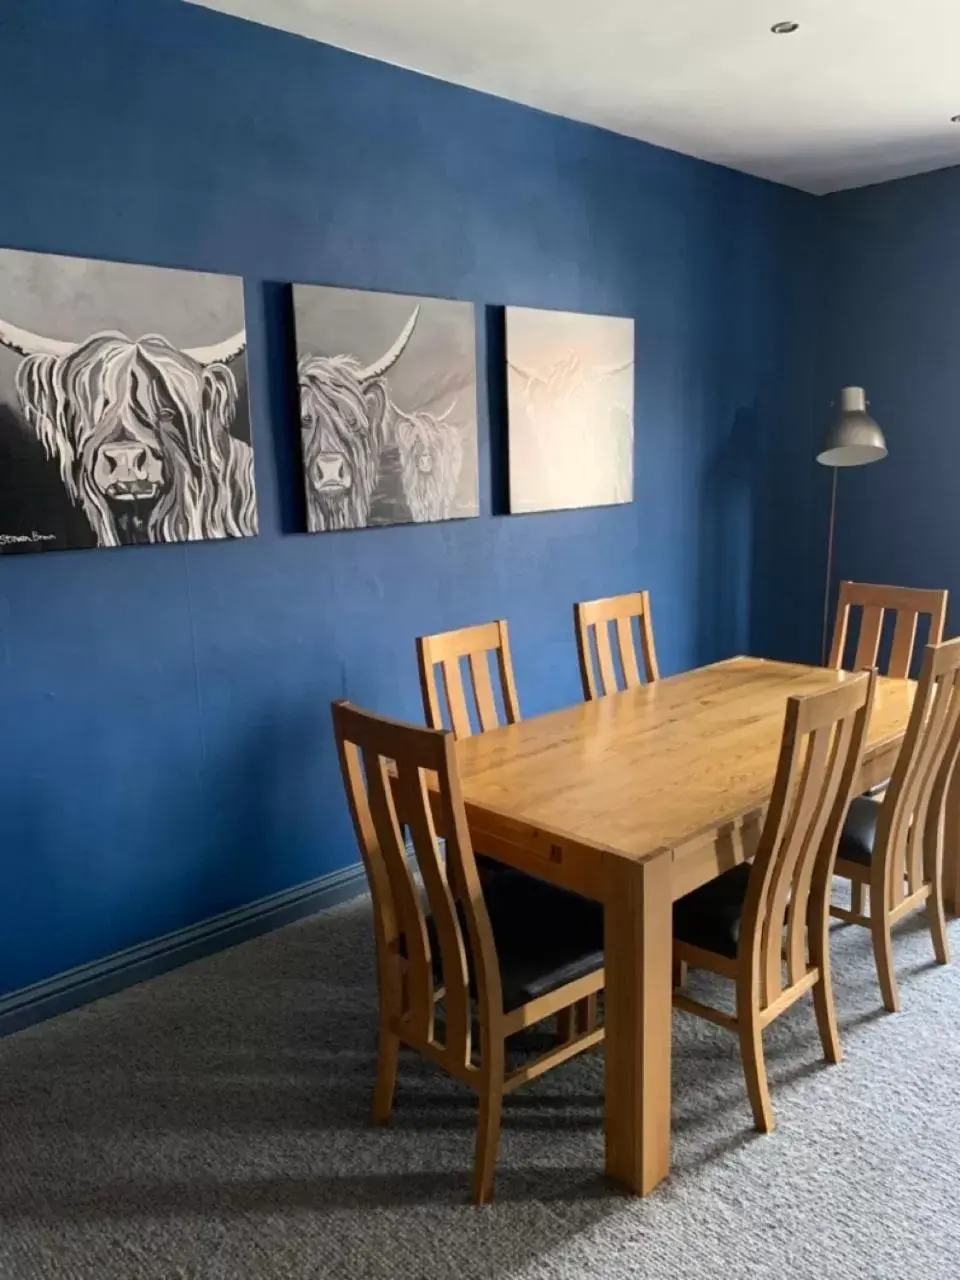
545, 936
709, 917
488, 868
860, 829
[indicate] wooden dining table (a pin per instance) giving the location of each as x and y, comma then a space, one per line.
634, 800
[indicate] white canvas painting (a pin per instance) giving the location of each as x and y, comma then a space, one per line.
570, 409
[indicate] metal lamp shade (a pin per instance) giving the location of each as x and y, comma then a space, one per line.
853, 438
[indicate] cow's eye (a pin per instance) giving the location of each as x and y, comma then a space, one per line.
166, 416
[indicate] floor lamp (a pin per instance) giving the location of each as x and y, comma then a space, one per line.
852, 440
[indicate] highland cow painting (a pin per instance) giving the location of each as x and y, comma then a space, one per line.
123, 405
569, 409
388, 408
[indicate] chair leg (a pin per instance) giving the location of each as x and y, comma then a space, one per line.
566, 1024
933, 874
679, 973
825, 1011
938, 923
883, 953
754, 1068
388, 1055
488, 1133
824, 1007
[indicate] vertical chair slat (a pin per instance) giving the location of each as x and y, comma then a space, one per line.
627, 653
918, 789
410, 916
456, 698
841, 627
949, 761
608, 678
901, 650
777, 833
483, 692
453, 956
868, 639
838, 739
792, 849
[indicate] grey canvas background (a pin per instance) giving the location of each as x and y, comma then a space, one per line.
437, 372
70, 299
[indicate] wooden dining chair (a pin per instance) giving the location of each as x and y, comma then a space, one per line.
592, 619
478, 648
908, 604
474, 647
892, 845
756, 921
492, 964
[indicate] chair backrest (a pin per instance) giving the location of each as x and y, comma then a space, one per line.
908, 603
447, 651
820, 752
385, 764
910, 824
592, 620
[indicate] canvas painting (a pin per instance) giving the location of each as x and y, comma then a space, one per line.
388, 408
569, 409
123, 405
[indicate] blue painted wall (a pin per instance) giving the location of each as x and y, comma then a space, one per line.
164, 743
893, 279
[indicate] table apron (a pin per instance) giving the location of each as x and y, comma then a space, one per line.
572, 864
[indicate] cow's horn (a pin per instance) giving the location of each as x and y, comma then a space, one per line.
220, 352
387, 361
523, 373
617, 368
26, 343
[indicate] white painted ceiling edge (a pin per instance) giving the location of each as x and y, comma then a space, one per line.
861, 92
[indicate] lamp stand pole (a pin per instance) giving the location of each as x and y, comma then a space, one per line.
829, 577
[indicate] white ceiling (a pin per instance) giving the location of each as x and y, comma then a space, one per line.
862, 92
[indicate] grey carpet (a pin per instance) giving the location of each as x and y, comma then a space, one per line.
212, 1125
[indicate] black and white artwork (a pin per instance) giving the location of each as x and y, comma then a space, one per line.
123, 405
569, 408
388, 408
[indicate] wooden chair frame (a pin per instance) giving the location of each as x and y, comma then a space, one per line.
786, 911
476, 643
906, 869
592, 620
908, 603
390, 767
445, 651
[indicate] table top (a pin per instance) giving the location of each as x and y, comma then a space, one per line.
652, 767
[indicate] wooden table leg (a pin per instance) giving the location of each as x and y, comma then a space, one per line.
951, 847
637, 1016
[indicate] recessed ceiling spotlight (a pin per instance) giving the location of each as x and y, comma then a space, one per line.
784, 28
